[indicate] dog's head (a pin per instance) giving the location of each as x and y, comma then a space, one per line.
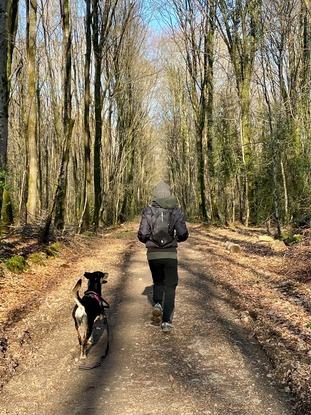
95, 279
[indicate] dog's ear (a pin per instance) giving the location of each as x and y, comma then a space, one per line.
103, 277
88, 275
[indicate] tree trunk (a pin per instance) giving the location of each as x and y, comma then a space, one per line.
286, 216
244, 89
5, 198
210, 43
58, 207
85, 219
4, 117
98, 115
61, 191
31, 118
201, 168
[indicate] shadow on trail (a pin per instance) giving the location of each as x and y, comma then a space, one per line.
203, 247
193, 375
197, 246
273, 316
224, 383
289, 294
148, 292
252, 248
196, 374
91, 387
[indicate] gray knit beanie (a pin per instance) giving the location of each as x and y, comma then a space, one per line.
161, 191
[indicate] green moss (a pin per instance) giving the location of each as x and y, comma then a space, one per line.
290, 239
308, 325
285, 235
53, 249
297, 238
37, 258
16, 264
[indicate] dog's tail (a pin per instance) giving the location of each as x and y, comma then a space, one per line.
75, 292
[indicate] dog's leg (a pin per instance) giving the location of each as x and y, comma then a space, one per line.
91, 340
89, 334
102, 316
83, 335
85, 339
83, 349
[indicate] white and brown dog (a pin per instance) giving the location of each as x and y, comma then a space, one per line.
89, 308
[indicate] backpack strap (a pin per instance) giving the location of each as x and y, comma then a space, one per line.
153, 213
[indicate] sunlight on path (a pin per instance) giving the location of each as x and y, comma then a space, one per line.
207, 366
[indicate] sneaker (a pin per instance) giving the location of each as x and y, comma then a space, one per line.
166, 327
157, 314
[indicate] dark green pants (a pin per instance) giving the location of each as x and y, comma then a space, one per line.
165, 279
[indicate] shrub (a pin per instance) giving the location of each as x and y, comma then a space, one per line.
290, 239
53, 249
37, 258
16, 264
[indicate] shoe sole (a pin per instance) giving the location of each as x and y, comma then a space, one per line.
166, 329
156, 321
156, 318
156, 313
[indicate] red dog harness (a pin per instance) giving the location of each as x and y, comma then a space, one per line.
97, 297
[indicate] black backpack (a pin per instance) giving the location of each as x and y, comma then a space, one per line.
161, 232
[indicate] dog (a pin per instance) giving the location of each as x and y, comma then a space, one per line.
89, 308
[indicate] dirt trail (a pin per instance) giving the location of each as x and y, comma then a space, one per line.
210, 364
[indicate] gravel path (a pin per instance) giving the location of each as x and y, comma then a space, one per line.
209, 364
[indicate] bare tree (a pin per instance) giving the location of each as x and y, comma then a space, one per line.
239, 25
68, 122
3, 94
31, 115
85, 219
196, 29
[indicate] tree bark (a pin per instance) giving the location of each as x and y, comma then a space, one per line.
210, 45
10, 26
31, 117
61, 191
240, 31
98, 114
4, 116
85, 218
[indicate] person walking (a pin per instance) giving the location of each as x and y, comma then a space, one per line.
162, 226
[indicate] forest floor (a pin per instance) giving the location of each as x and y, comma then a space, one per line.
240, 344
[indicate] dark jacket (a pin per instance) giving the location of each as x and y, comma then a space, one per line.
177, 225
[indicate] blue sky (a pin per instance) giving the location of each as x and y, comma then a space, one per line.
157, 15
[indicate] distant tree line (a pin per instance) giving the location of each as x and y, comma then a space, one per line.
75, 133
80, 145
238, 108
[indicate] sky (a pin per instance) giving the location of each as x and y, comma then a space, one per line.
157, 15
